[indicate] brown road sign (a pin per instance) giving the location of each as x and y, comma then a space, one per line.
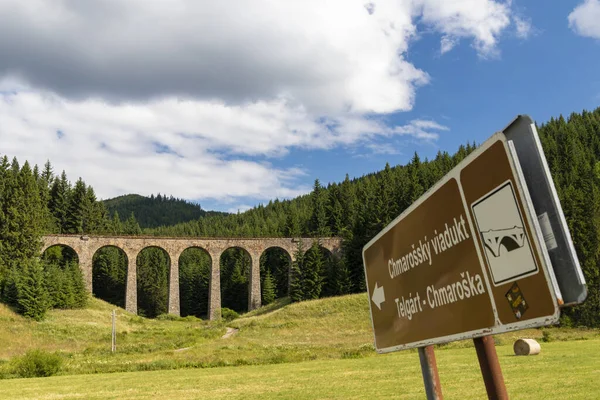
463, 261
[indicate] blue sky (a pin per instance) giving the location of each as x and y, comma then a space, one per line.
553, 71
232, 105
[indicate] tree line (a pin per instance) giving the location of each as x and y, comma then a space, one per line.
354, 209
32, 202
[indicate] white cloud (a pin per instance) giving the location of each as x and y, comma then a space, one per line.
447, 43
421, 129
192, 149
332, 56
483, 21
194, 99
585, 19
523, 26
387, 148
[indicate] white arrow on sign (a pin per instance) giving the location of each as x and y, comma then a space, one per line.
378, 296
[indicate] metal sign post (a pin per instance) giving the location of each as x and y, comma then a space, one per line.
490, 368
114, 331
431, 377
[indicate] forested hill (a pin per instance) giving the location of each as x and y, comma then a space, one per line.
155, 211
359, 208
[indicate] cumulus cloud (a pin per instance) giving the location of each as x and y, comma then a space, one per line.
327, 57
338, 56
194, 149
483, 21
197, 99
585, 19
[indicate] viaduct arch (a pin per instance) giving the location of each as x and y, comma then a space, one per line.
86, 246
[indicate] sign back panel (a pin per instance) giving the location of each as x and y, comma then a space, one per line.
523, 134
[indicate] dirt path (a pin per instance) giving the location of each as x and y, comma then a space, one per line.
230, 332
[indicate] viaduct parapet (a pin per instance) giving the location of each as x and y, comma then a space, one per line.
87, 246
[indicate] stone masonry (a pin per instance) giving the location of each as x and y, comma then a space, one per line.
86, 247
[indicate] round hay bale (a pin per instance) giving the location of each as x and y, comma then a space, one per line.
526, 347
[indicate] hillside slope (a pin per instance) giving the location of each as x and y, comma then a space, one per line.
331, 328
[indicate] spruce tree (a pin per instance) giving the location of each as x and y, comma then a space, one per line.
336, 211
59, 202
319, 220
292, 224
116, 226
60, 294
296, 274
343, 282
131, 226
268, 289
32, 297
312, 282
80, 293
78, 209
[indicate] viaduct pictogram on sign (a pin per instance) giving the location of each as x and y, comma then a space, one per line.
511, 239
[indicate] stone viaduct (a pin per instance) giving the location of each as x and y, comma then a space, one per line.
86, 247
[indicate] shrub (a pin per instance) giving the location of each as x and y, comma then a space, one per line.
228, 314
37, 363
547, 336
168, 317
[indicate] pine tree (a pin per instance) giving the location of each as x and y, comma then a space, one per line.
268, 289
296, 274
80, 293
292, 225
336, 211
32, 297
47, 174
343, 282
21, 214
319, 221
152, 281
59, 202
60, 293
109, 271
131, 226
194, 278
312, 282
116, 226
5, 177
78, 208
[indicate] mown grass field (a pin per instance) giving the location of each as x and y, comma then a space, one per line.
564, 370
316, 349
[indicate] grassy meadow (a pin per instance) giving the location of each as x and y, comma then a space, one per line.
564, 370
315, 349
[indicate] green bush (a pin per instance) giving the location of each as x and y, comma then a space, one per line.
168, 317
228, 314
37, 363
547, 336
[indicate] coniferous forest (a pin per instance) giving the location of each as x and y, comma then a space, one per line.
155, 211
34, 202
